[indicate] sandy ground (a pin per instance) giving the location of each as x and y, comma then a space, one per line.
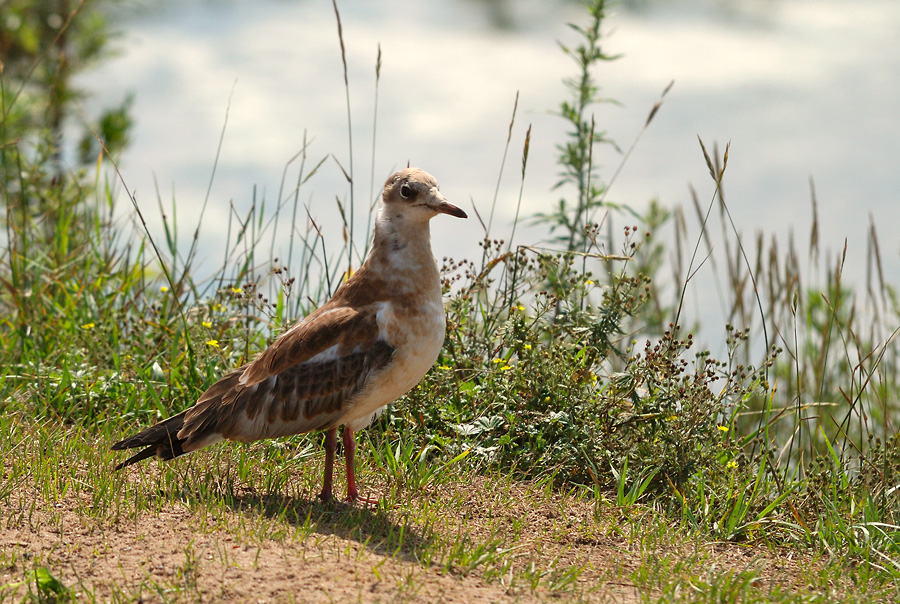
180, 554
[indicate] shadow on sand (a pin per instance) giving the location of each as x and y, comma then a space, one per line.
379, 530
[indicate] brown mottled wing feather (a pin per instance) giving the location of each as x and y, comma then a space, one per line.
294, 386
305, 381
348, 327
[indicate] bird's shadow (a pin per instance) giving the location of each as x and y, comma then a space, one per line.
376, 528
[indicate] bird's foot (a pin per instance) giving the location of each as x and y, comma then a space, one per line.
352, 498
366, 502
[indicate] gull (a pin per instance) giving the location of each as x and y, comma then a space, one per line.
372, 342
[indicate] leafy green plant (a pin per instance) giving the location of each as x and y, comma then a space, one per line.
45, 45
629, 492
576, 155
42, 587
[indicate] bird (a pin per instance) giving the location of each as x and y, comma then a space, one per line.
372, 342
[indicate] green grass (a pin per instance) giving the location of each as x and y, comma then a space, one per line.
525, 539
574, 441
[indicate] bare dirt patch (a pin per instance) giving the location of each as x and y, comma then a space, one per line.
168, 556
340, 553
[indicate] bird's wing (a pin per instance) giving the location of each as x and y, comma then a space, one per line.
342, 326
307, 380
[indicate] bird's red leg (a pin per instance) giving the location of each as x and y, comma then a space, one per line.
330, 446
349, 451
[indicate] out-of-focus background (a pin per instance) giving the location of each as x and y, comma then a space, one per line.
802, 90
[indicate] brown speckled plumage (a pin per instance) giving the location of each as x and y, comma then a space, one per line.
373, 341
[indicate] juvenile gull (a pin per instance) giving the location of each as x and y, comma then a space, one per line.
368, 345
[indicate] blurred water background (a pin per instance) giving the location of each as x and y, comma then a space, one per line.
802, 89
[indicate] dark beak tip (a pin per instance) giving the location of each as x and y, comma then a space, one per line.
452, 210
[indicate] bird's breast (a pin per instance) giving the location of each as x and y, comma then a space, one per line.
416, 331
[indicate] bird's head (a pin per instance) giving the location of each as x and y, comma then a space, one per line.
413, 194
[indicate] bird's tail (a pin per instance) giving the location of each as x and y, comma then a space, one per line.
160, 440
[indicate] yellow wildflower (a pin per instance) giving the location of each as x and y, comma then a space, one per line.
723, 428
164, 289
87, 326
207, 324
213, 343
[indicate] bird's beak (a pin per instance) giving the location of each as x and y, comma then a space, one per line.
445, 207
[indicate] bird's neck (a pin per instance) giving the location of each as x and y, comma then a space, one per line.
402, 247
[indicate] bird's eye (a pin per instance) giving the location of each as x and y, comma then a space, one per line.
406, 191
